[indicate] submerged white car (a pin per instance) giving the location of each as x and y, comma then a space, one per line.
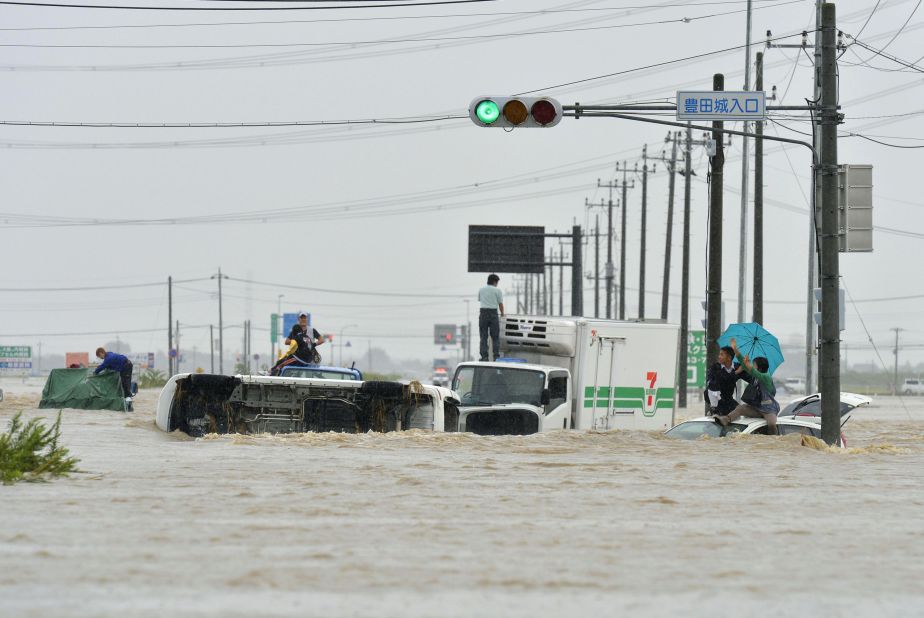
707, 426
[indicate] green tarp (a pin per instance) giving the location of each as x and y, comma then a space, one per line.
79, 388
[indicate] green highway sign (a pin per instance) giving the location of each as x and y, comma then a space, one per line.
696, 359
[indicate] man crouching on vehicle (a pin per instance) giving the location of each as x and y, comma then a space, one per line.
306, 339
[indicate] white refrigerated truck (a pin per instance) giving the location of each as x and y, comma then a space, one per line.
571, 373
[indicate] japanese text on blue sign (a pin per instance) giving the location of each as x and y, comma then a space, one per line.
721, 105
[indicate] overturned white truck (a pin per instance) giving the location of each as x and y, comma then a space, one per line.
571, 373
198, 404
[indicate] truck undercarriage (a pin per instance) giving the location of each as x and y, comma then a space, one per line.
223, 404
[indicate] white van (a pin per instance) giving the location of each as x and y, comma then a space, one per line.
912, 386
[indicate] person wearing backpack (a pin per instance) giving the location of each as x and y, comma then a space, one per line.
759, 398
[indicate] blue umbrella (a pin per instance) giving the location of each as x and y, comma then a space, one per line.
753, 341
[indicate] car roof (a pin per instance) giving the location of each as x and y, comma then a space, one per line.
748, 422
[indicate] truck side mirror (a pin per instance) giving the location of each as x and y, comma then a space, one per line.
546, 397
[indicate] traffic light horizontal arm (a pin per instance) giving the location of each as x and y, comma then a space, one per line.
627, 107
578, 112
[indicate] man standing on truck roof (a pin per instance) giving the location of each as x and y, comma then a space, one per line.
307, 339
491, 300
120, 363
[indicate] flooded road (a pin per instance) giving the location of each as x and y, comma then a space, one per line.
419, 524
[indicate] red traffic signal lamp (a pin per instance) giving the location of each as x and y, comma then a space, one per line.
444, 334
513, 112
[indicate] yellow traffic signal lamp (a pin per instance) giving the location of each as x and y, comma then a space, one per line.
511, 112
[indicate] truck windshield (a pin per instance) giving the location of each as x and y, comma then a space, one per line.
498, 385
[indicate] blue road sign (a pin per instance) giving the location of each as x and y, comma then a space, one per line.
721, 105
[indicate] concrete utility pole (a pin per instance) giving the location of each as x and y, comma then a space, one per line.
745, 175
170, 371
221, 329
810, 303
577, 271
212, 346
610, 268
714, 285
551, 278
895, 352
641, 268
685, 271
622, 241
561, 280
672, 170
829, 358
758, 293
597, 267
177, 364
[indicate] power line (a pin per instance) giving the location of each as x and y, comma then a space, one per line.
88, 288
123, 7
375, 41
649, 66
301, 56
378, 18
229, 125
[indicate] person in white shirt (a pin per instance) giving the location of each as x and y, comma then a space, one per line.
491, 300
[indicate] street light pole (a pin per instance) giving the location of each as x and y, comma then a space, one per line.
341, 340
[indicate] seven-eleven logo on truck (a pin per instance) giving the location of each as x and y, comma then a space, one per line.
651, 393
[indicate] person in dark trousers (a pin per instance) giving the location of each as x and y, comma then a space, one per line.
307, 339
721, 380
120, 363
491, 300
759, 398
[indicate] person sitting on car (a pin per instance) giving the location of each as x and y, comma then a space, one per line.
721, 380
759, 398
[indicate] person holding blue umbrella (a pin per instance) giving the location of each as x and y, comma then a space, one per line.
759, 398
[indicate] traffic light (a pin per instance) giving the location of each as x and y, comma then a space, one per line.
512, 112
444, 334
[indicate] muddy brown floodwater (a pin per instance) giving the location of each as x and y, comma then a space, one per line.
420, 524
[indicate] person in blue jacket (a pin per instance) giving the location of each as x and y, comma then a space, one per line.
120, 363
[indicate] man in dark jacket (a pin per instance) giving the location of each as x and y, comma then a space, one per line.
120, 363
721, 380
307, 339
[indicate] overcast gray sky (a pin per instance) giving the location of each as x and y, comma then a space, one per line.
345, 229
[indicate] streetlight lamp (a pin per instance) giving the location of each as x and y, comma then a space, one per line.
341, 340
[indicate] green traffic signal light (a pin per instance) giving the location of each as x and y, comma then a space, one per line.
487, 111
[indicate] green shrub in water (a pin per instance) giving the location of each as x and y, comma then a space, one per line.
30, 452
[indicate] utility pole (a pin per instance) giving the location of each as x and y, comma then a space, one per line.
895, 352
597, 267
641, 271
221, 328
745, 176
622, 241
577, 270
561, 280
170, 371
829, 362
685, 271
672, 169
177, 346
610, 269
551, 279
758, 293
714, 285
212, 346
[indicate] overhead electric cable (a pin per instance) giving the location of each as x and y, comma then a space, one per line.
338, 6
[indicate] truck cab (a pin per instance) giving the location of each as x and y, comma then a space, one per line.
572, 373
512, 398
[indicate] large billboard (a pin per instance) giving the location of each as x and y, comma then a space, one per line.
506, 249
15, 357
